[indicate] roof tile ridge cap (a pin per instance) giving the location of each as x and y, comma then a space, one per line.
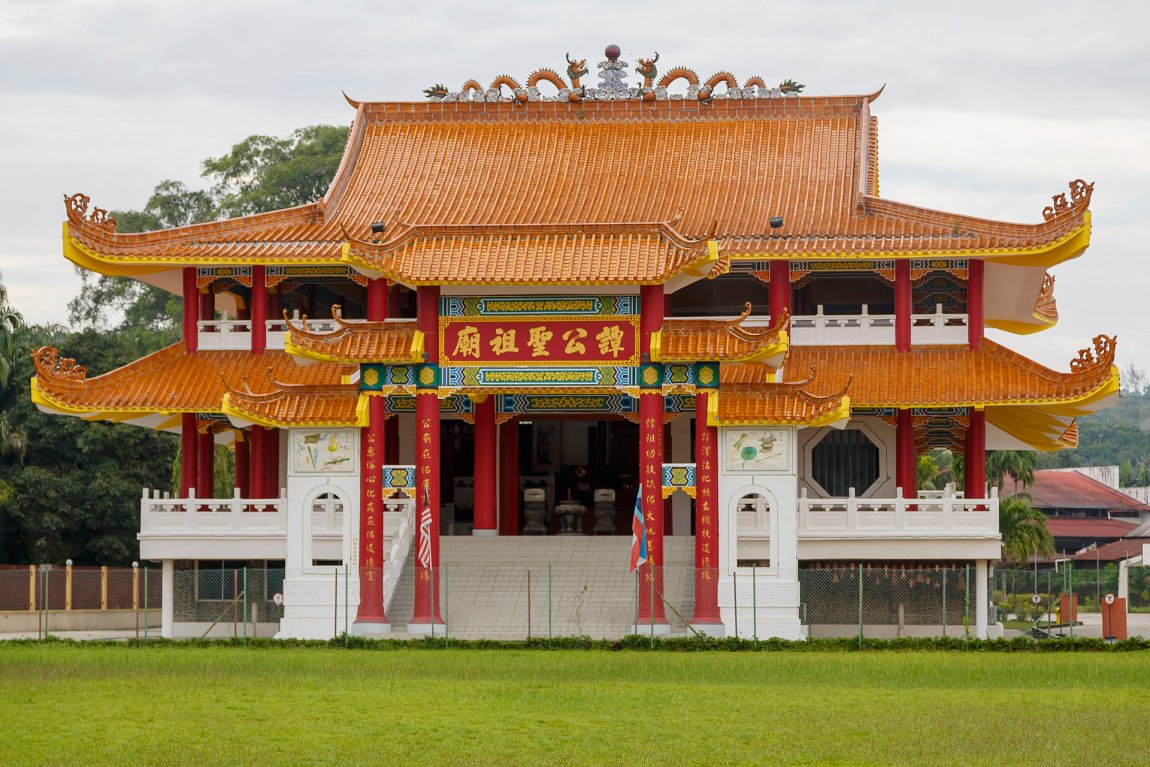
405, 234
329, 204
283, 217
761, 335
128, 370
884, 207
1100, 367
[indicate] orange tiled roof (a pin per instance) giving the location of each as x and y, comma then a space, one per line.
509, 177
777, 404
356, 341
169, 381
1045, 307
935, 376
721, 340
284, 406
513, 254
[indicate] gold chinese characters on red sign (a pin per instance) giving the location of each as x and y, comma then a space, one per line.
542, 341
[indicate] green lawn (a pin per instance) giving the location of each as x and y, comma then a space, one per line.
64, 704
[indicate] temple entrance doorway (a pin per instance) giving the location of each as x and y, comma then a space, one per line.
592, 463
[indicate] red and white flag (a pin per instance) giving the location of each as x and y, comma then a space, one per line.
424, 554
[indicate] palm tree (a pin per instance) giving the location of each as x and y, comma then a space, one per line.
1023, 529
1019, 464
13, 442
10, 324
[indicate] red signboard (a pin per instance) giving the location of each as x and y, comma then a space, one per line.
540, 341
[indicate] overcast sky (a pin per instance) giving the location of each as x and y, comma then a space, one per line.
990, 107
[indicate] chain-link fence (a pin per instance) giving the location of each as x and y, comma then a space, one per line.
1033, 594
885, 601
42, 599
498, 599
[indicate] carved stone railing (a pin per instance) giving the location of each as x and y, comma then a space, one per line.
225, 334
866, 329
225, 516
946, 516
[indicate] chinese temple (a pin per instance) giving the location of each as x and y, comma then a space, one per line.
558, 306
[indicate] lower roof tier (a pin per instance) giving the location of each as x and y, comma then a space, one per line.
1028, 405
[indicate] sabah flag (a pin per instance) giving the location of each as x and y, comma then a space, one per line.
638, 534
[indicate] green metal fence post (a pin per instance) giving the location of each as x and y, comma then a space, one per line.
1070, 595
651, 603
754, 604
145, 604
47, 607
548, 604
346, 599
944, 603
966, 609
735, 591
446, 603
246, 611
860, 605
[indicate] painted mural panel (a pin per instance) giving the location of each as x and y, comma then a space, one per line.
747, 450
323, 452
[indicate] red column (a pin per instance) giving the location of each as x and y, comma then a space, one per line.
651, 486
208, 305
706, 516
509, 478
906, 461
974, 464
259, 309
205, 464
272, 463
370, 617
191, 309
187, 453
780, 287
243, 465
651, 458
976, 319
257, 487
485, 451
377, 308
903, 305
427, 609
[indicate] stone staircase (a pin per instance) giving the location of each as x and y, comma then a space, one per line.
515, 587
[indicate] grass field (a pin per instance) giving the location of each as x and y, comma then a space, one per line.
63, 704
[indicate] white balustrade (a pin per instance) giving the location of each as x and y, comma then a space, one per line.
399, 527
939, 516
161, 513
225, 334
939, 328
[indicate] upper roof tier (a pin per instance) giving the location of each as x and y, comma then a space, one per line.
623, 189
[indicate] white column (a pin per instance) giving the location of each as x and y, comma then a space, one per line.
981, 606
168, 599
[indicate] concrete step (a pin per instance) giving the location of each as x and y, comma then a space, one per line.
515, 587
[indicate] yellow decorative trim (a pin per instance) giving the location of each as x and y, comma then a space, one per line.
1064, 248
656, 343
1020, 328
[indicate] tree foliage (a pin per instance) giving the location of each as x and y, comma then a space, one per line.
1023, 529
70, 488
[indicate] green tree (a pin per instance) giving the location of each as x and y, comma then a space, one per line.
1023, 529
1019, 464
13, 440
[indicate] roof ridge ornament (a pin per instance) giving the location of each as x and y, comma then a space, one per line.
77, 208
49, 365
613, 85
1101, 355
1080, 193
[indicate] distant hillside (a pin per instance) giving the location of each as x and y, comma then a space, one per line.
1119, 435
